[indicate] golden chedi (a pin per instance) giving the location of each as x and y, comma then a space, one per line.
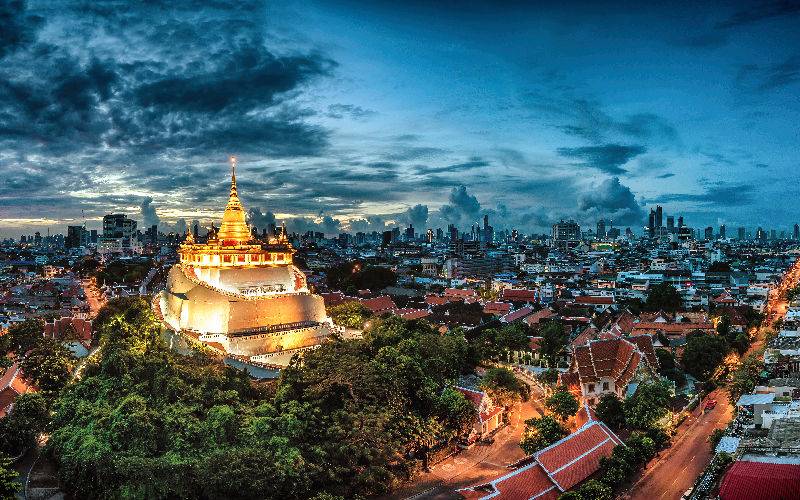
243, 295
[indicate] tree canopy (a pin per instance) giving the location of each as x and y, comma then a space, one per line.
540, 433
553, 343
504, 387
562, 403
703, 353
351, 419
663, 297
350, 314
650, 402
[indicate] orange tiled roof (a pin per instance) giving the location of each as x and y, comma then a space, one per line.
615, 358
499, 308
519, 295
592, 299
554, 469
518, 314
670, 328
381, 304
536, 317
409, 313
458, 292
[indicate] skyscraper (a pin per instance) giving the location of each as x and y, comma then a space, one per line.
722, 232
601, 228
670, 224
709, 233
659, 216
796, 234
742, 233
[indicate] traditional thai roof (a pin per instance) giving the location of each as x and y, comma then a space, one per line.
458, 292
516, 315
617, 359
555, 469
539, 315
12, 384
499, 308
409, 313
594, 300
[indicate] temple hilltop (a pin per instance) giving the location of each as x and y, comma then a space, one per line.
242, 295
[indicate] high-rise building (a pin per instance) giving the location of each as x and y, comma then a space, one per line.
659, 216
410, 233
709, 233
439, 234
565, 234
118, 231
651, 223
429, 235
741, 233
76, 236
772, 234
680, 221
670, 224
452, 231
796, 234
722, 232
761, 234
601, 228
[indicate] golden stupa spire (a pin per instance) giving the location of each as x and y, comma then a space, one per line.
234, 225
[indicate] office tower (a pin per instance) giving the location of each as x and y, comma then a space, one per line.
722, 232
565, 234
439, 234
116, 226
76, 236
670, 224
680, 221
709, 233
651, 223
410, 233
796, 234
772, 234
760, 234
601, 228
742, 233
452, 231
659, 216
429, 235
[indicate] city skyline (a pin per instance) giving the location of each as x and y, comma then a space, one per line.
346, 117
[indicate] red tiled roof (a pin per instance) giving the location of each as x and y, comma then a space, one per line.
670, 328
539, 315
518, 314
519, 295
381, 304
615, 358
554, 469
436, 300
457, 292
412, 313
82, 327
499, 308
584, 337
747, 480
592, 299
474, 396
645, 344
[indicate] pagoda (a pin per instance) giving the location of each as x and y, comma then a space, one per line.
242, 295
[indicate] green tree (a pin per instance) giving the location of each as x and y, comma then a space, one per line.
595, 490
744, 378
351, 314
663, 297
48, 365
23, 336
702, 355
458, 414
650, 403
715, 438
610, 410
562, 403
9, 479
540, 433
503, 387
553, 343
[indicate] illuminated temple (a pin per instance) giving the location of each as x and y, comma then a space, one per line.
242, 295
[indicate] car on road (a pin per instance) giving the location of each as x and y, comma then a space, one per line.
711, 404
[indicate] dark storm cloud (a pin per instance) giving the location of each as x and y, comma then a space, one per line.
768, 77
760, 12
339, 111
148, 212
472, 164
259, 219
417, 216
607, 158
461, 208
585, 118
611, 199
719, 194
117, 86
17, 27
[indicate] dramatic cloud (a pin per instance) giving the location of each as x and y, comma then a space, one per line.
607, 158
719, 194
763, 78
259, 219
612, 200
462, 208
761, 12
368, 224
149, 215
417, 216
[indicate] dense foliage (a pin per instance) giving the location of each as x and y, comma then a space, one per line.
48, 365
553, 342
350, 314
703, 354
9, 486
649, 403
540, 433
611, 410
663, 297
353, 276
18, 430
351, 420
504, 388
562, 403
122, 272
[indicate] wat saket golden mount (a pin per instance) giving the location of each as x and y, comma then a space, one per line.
241, 295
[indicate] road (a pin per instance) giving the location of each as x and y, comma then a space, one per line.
94, 296
675, 471
669, 475
481, 463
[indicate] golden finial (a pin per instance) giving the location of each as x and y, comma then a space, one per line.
233, 171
